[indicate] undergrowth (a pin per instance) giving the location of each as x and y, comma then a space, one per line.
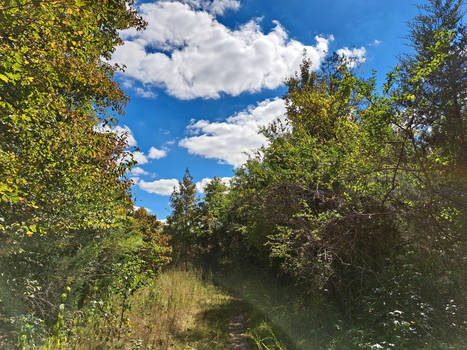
284, 317
179, 310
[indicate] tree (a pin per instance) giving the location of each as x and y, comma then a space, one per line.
62, 183
430, 179
56, 85
322, 178
155, 250
182, 223
438, 37
213, 242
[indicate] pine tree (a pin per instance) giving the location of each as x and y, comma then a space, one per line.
435, 75
182, 222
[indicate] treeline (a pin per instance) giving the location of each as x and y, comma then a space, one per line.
359, 198
359, 195
69, 235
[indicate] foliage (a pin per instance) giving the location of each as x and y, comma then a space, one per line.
177, 310
317, 188
357, 202
214, 241
56, 86
435, 76
182, 224
65, 201
360, 192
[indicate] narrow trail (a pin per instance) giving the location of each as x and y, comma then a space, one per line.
237, 328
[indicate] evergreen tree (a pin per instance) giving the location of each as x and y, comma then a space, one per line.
213, 220
182, 224
438, 93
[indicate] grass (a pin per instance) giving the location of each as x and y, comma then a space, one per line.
280, 316
177, 311
182, 311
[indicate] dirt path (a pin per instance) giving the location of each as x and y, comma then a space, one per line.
237, 328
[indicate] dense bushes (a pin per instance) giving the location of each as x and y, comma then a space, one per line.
361, 192
65, 204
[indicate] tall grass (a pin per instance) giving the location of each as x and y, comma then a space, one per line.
284, 319
181, 311
265, 338
177, 311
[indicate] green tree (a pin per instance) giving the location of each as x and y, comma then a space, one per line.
62, 183
435, 75
429, 177
214, 243
56, 86
316, 189
183, 222
155, 249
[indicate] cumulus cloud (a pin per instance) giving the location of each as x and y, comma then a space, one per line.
155, 153
163, 187
190, 54
352, 57
120, 131
139, 157
201, 185
144, 93
138, 172
228, 141
216, 7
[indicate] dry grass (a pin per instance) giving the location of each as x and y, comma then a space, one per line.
179, 310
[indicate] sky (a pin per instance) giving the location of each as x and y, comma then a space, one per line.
206, 75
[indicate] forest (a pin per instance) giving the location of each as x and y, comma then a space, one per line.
347, 230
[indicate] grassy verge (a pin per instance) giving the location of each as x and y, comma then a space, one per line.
182, 311
281, 318
177, 311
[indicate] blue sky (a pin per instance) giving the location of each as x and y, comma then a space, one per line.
206, 74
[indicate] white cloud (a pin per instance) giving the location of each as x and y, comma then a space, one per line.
124, 131
138, 172
216, 7
201, 185
162, 187
155, 153
229, 140
376, 42
144, 93
190, 54
352, 57
139, 157
135, 208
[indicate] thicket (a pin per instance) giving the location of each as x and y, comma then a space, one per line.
69, 236
358, 200
360, 193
